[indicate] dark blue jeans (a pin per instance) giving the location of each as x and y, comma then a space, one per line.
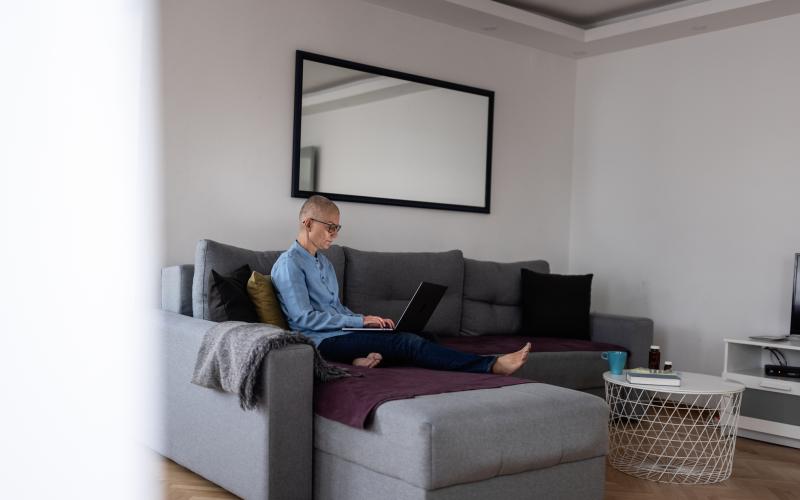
402, 349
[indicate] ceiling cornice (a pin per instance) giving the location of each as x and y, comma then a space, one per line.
520, 26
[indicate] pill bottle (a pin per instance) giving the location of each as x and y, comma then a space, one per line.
654, 361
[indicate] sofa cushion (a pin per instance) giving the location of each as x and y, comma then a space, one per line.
461, 437
262, 293
228, 299
492, 296
225, 258
570, 363
381, 283
579, 370
555, 305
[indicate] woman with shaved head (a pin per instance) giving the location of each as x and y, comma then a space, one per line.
308, 291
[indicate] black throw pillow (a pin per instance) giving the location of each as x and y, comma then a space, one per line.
228, 299
556, 305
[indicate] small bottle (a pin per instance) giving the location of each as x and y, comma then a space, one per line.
667, 366
654, 360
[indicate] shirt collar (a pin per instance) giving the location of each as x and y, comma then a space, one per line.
305, 253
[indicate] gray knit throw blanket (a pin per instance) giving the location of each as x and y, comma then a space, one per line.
232, 352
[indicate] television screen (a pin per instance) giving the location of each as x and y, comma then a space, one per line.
795, 326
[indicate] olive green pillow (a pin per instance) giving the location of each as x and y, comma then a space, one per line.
262, 293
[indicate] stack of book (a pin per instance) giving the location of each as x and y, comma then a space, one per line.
645, 376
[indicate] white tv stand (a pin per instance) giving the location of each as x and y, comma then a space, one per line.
770, 405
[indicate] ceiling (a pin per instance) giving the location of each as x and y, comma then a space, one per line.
588, 13
585, 28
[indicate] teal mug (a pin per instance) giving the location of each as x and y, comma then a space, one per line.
616, 361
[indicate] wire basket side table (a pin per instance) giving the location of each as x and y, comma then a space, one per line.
684, 435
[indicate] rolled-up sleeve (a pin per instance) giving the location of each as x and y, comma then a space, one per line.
290, 282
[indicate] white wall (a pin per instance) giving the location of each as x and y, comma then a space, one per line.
228, 71
686, 182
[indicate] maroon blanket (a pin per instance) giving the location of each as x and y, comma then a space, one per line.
501, 344
352, 400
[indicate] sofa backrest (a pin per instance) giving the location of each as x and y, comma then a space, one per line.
381, 283
482, 298
493, 296
224, 258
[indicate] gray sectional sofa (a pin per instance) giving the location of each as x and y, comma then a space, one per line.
538, 440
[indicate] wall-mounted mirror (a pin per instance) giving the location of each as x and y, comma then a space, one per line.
374, 135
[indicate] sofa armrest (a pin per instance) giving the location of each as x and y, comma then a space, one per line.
176, 289
633, 333
264, 453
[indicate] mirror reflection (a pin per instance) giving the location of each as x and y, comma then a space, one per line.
371, 137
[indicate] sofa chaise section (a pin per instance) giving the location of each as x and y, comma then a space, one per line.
449, 445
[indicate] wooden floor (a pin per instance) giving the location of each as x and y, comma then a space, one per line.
761, 471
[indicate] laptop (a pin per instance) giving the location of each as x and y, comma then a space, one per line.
417, 312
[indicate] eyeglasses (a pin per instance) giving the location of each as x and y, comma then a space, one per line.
332, 228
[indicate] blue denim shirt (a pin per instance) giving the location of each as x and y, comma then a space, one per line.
308, 291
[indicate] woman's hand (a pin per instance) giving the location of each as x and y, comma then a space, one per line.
378, 322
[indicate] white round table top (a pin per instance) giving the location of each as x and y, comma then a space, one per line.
691, 383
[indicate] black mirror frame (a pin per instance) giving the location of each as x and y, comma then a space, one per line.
298, 101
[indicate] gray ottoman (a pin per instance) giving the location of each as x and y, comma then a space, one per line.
522, 441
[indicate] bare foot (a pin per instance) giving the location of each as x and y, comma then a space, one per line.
371, 361
511, 362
